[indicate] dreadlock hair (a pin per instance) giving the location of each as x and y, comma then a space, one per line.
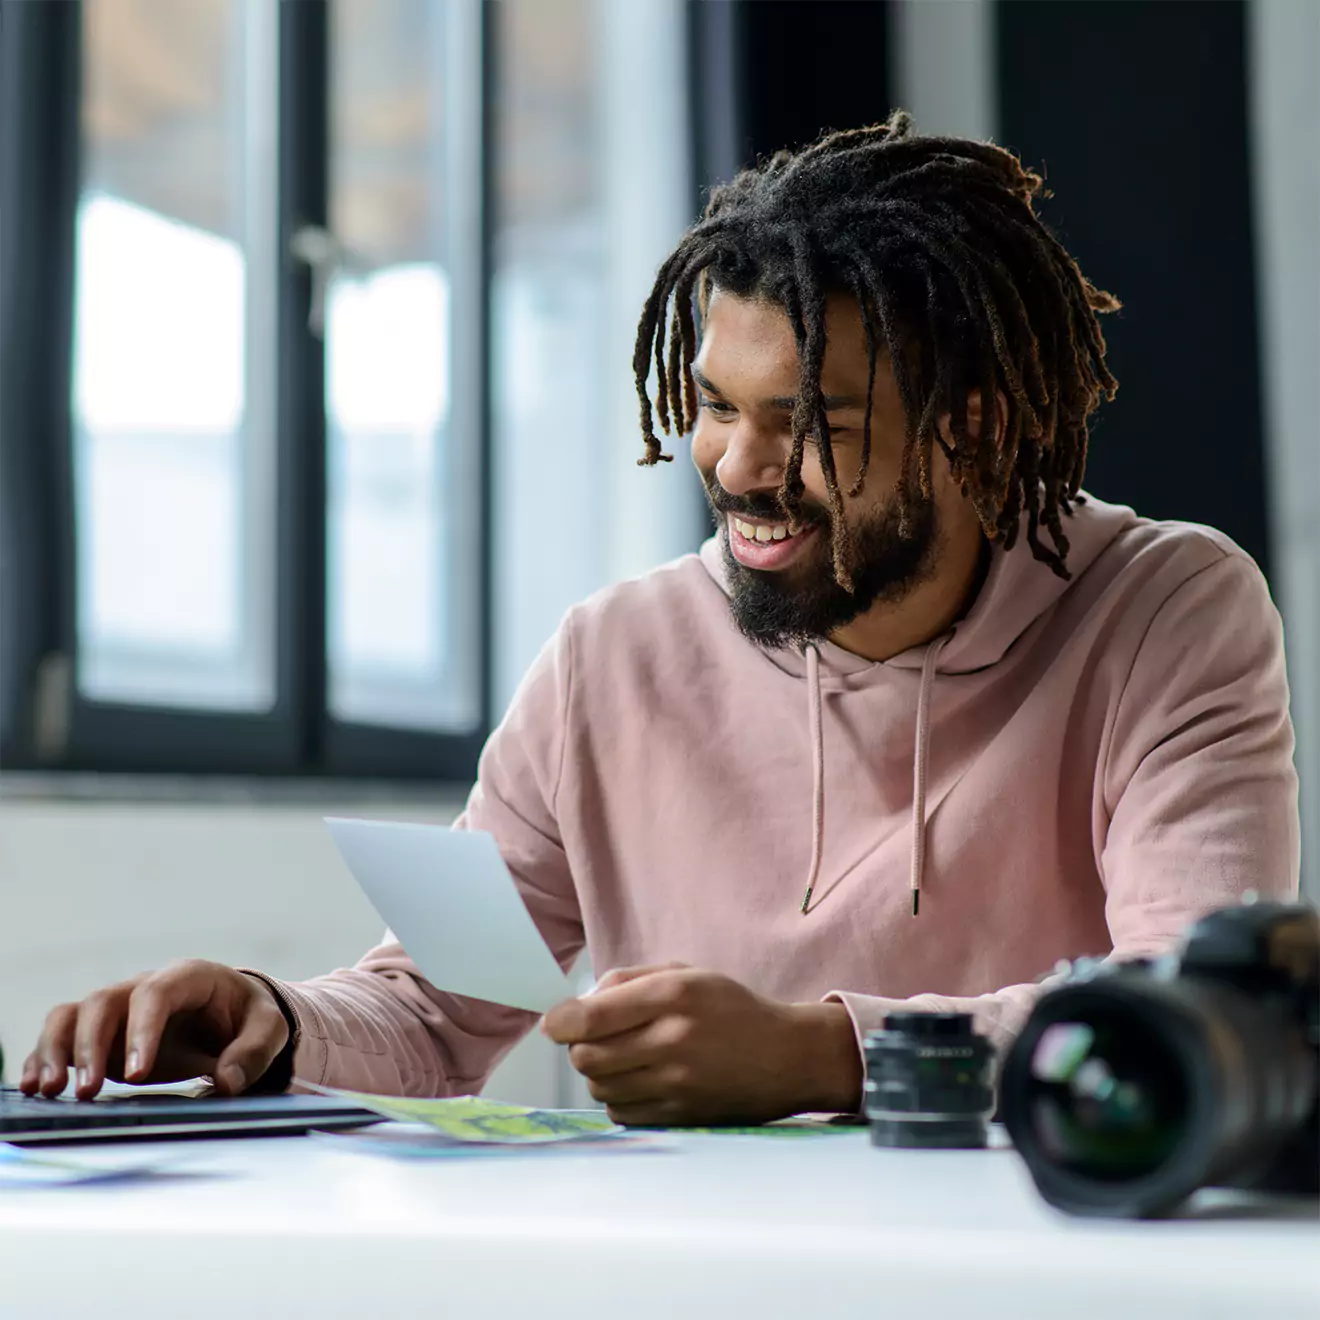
959, 283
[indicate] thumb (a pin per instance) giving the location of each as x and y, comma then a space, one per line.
622, 975
616, 976
244, 1061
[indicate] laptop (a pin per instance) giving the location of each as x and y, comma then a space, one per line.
31, 1120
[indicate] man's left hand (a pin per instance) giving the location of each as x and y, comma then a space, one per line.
671, 1045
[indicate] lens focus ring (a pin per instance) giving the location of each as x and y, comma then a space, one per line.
928, 1081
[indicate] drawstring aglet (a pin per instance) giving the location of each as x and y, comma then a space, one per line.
806, 899
916, 901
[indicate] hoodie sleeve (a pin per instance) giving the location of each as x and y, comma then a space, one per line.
1197, 796
381, 1026
998, 1015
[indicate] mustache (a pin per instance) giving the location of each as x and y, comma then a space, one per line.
765, 506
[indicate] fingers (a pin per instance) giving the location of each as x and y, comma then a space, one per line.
616, 976
200, 1008
244, 1061
653, 1086
153, 1001
100, 1019
649, 1113
47, 1067
640, 1048
593, 1060
619, 1007
641, 1067
622, 975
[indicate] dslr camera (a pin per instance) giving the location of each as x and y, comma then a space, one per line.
1134, 1084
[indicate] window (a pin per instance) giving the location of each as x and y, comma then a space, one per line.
264, 494
264, 502
548, 291
592, 183
403, 636
173, 401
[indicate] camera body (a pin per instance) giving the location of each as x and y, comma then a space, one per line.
1134, 1084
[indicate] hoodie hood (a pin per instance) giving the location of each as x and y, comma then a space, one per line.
1018, 590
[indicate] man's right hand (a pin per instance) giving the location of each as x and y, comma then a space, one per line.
190, 1019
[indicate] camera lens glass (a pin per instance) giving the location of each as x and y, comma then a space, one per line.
928, 1082
1108, 1100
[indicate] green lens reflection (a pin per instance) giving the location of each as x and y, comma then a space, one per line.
1108, 1101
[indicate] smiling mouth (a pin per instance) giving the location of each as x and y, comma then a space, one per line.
762, 532
767, 546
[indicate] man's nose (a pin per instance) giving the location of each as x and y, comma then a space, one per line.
753, 460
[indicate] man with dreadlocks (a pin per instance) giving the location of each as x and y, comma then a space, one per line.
920, 719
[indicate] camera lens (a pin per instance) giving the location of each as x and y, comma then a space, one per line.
928, 1082
1107, 1100
1126, 1094
1132, 1085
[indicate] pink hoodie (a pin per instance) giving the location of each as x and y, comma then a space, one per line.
1075, 768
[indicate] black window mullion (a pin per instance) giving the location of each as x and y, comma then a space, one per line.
301, 448
39, 59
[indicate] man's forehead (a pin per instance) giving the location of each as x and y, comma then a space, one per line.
750, 339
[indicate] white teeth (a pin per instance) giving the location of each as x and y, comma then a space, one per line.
753, 532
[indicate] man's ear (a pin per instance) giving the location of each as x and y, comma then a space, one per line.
974, 418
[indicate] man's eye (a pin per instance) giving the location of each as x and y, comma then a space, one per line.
718, 407
836, 433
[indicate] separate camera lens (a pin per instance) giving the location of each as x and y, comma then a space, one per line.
928, 1082
1107, 1099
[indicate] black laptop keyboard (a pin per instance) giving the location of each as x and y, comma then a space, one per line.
114, 1117
35, 1114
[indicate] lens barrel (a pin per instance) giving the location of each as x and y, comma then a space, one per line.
1126, 1094
928, 1082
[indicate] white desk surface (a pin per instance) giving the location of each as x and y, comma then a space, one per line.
760, 1227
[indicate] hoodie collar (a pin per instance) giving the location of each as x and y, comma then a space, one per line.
1018, 589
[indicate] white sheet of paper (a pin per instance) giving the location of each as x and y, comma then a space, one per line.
451, 902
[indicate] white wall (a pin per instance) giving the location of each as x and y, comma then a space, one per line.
942, 66
572, 511
651, 514
91, 892
1283, 54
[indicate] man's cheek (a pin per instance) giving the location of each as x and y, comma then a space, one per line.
706, 451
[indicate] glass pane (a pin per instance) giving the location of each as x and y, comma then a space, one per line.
172, 439
550, 364
403, 646
592, 188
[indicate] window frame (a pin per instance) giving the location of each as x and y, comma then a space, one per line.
45, 722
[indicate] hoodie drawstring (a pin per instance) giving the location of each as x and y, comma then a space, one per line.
817, 772
919, 759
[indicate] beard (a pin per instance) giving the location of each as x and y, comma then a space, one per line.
805, 602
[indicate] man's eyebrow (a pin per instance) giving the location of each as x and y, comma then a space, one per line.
833, 402
787, 402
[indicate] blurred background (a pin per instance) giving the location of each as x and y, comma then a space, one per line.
316, 408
